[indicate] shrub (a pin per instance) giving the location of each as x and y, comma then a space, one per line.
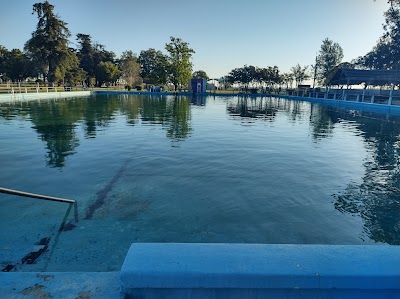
253, 90
128, 87
138, 87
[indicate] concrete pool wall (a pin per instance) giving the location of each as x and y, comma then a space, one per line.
170, 270
5, 98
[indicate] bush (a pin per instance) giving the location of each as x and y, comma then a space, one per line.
253, 90
138, 87
128, 87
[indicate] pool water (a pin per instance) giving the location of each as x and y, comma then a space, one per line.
182, 169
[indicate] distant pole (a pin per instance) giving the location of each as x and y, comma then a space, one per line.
315, 70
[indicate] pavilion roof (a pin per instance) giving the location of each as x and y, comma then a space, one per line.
346, 76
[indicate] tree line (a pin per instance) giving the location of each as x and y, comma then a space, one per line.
47, 57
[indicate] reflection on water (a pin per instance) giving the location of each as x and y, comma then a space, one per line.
198, 100
56, 121
377, 198
247, 107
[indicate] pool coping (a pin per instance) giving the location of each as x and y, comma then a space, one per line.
205, 270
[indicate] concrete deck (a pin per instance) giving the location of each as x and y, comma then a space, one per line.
6, 98
60, 285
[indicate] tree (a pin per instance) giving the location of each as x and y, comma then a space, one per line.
130, 68
200, 75
153, 67
179, 65
107, 72
287, 79
386, 54
16, 66
269, 75
69, 72
90, 55
300, 74
86, 56
392, 2
244, 75
330, 55
49, 43
3, 53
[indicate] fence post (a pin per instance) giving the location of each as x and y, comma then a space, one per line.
372, 98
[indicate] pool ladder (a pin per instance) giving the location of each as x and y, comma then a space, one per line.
43, 197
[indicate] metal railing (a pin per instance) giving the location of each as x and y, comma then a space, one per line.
43, 197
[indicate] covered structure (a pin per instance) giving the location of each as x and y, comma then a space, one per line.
347, 76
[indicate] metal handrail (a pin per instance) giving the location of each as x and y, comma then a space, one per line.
33, 195
44, 197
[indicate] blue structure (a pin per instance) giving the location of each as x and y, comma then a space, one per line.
261, 271
226, 271
198, 86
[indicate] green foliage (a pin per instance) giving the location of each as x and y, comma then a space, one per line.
386, 54
14, 65
269, 75
3, 53
252, 74
287, 79
153, 67
128, 87
330, 55
200, 75
300, 73
49, 43
243, 75
138, 87
130, 68
69, 72
179, 65
107, 72
90, 55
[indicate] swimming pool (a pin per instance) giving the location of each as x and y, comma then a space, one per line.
181, 169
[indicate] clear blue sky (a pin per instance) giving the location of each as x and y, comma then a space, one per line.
225, 34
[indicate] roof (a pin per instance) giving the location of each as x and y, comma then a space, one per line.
346, 76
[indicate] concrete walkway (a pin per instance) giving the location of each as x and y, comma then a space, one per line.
26, 285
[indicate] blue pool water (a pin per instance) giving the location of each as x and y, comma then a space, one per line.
212, 169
